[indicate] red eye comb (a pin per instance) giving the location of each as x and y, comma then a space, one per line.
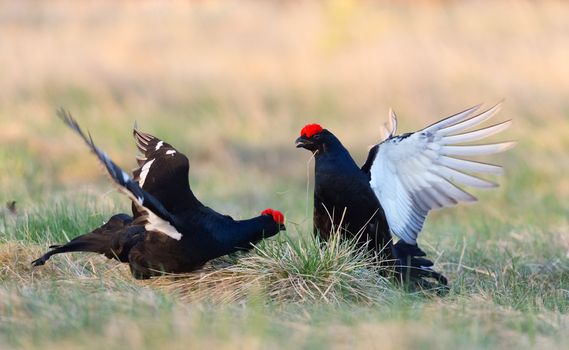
277, 215
310, 130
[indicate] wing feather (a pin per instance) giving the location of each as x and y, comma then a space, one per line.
453, 119
478, 134
462, 178
470, 165
153, 215
477, 150
476, 120
413, 174
163, 172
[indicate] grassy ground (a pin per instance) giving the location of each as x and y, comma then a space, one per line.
231, 84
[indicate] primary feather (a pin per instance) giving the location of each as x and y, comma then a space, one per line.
415, 173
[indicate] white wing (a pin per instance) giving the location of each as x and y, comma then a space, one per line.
414, 173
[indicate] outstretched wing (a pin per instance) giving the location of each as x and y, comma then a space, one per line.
414, 173
162, 171
153, 215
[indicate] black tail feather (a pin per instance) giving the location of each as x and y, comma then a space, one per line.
87, 243
417, 269
413, 266
402, 249
114, 239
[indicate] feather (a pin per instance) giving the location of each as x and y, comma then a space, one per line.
470, 165
478, 134
414, 173
453, 119
144, 202
477, 150
480, 118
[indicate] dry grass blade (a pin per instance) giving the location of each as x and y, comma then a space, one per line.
288, 270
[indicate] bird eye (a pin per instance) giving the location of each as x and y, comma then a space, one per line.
316, 137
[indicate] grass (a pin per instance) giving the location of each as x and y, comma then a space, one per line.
233, 97
295, 270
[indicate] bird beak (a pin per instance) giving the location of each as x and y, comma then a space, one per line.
302, 142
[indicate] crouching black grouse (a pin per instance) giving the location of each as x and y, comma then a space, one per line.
403, 178
170, 231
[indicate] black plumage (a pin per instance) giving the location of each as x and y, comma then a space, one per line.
170, 231
344, 201
409, 175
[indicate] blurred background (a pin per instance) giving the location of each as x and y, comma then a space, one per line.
231, 83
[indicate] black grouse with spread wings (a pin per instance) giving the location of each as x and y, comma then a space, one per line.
171, 231
404, 177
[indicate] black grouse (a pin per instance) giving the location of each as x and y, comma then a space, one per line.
170, 231
403, 178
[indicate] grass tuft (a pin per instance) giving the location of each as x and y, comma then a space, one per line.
287, 269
